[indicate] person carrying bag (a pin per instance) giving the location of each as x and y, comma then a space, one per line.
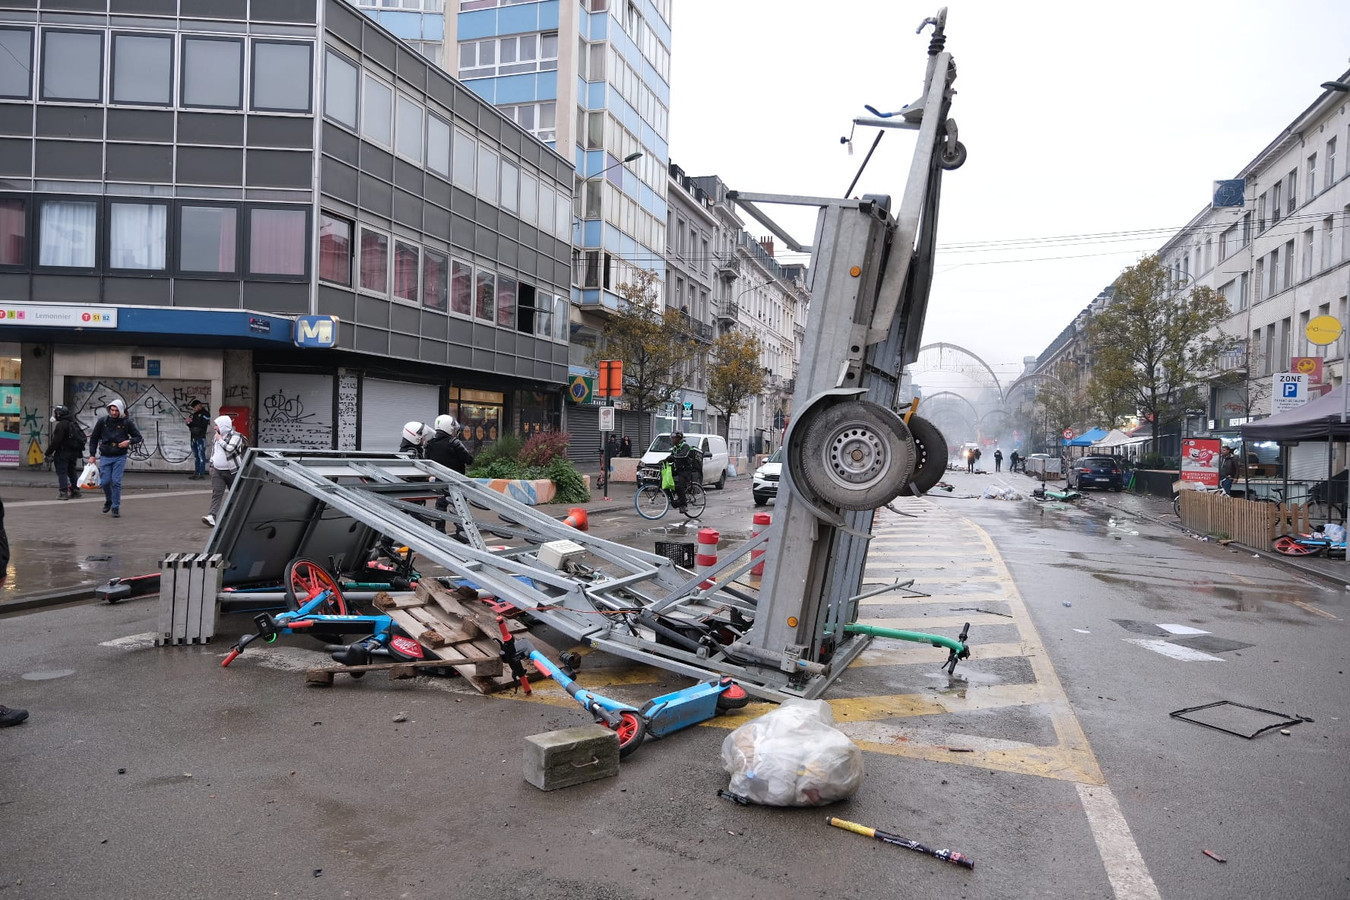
109, 443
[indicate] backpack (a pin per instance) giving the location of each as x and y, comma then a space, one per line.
76, 440
236, 445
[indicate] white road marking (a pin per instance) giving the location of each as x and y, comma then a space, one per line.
1181, 629
1175, 651
132, 641
92, 495
1125, 867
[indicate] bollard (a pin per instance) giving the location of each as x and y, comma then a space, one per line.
707, 553
762, 521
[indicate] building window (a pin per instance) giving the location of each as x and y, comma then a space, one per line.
506, 302
1331, 164
13, 233
408, 129
487, 175
461, 288
529, 198
72, 65
278, 242
67, 234
562, 319
335, 250
374, 262
485, 308
339, 90
438, 146
464, 160
539, 119
142, 69
377, 112
435, 278
281, 76
207, 239
406, 263
1312, 176
543, 316
137, 235
510, 187
213, 72
16, 63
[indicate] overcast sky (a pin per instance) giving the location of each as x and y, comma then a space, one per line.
1094, 130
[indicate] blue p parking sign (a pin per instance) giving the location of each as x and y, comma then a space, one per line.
1291, 392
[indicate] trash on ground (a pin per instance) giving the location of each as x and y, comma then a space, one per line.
1244, 721
1214, 856
951, 856
792, 756
1002, 492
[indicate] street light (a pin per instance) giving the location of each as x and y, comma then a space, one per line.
636, 154
1340, 86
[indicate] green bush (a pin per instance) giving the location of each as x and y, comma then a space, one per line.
1152, 461
500, 460
510, 457
543, 448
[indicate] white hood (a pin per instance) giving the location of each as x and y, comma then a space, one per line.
224, 424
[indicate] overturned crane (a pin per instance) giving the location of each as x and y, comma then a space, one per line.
848, 452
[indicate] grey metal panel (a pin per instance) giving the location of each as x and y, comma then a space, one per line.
403, 345
408, 209
341, 144
370, 340
345, 22
69, 121
81, 288
505, 341
210, 165
461, 232
154, 7
489, 121
441, 89
460, 356
379, 47
218, 294
407, 176
16, 119
211, 128
436, 190
214, 9
372, 311
376, 161
562, 275
436, 221
285, 11
431, 351
404, 319
376, 196
511, 138
296, 132
509, 227
507, 252
137, 291
460, 331
434, 326
139, 162
22, 4
335, 301
412, 68
530, 152
140, 125
287, 299
69, 159
81, 5
280, 168
16, 156
338, 180
14, 287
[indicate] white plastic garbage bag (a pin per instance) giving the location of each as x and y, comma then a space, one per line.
89, 477
793, 757
1334, 532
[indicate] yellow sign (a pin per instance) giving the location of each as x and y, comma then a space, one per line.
1323, 330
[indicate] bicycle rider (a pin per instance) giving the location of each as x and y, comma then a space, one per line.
686, 464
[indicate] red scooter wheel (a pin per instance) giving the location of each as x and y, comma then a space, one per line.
1290, 547
631, 730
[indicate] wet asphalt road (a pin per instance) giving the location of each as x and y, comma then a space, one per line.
154, 773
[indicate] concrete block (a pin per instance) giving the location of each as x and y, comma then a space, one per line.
559, 759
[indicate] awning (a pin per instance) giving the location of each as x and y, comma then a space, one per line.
1087, 438
1316, 420
1116, 438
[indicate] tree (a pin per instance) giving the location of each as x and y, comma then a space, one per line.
735, 374
1156, 340
1063, 404
653, 344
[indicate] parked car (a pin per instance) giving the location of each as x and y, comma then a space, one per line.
712, 446
764, 486
1095, 471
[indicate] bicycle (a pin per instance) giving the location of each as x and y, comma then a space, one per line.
653, 501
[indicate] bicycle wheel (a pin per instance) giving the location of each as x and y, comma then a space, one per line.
306, 578
695, 501
651, 501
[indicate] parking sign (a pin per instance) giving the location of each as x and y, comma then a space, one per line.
1290, 392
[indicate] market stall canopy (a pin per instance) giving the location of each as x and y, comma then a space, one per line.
1116, 438
1315, 420
1087, 438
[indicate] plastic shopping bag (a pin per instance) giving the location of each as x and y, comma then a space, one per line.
793, 756
89, 477
667, 477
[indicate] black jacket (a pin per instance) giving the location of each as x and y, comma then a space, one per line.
416, 451
110, 432
449, 451
198, 422
64, 429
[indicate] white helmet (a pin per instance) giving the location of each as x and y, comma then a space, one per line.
427, 433
447, 423
413, 432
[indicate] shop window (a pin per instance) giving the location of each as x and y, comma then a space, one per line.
281, 76
16, 63
278, 242
374, 261
72, 65
137, 235
406, 259
142, 69
339, 90
207, 239
435, 278
486, 306
377, 112
13, 233
213, 72
335, 250
461, 288
506, 302
67, 234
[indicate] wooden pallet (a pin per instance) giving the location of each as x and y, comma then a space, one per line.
322, 676
457, 629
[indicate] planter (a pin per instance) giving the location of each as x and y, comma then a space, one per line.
530, 491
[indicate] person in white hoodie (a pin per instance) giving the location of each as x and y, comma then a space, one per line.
226, 454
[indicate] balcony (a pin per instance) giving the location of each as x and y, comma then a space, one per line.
700, 330
728, 266
1234, 360
729, 310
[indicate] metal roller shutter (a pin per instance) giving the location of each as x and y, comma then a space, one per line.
386, 406
583, 427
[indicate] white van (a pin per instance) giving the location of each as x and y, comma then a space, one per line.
712, 446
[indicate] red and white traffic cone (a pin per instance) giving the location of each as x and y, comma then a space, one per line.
706, 557
762, 521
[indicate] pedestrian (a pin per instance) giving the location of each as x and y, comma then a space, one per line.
109, 443
1013, 459
226, 454
626, 447
970, 459
8, 714
975, 461
998, 460
66, 451
447, 449
198, 421
1228, 468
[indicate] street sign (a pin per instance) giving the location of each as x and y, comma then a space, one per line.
1068, 434
606, 418
1290, 392
1323, 330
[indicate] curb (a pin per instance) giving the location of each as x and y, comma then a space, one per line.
55, 598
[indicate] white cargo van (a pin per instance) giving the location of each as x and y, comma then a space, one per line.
712, 446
